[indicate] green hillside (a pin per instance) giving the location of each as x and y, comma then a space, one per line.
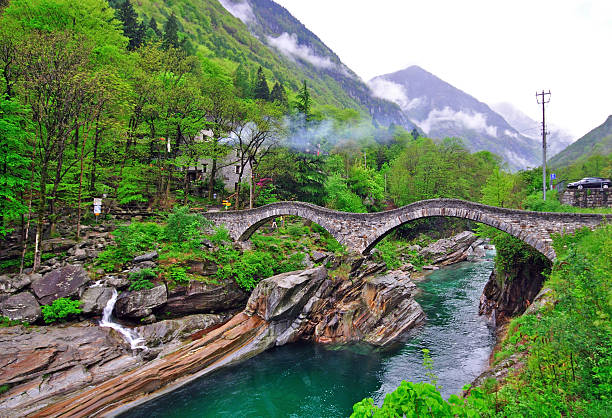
223, 41
598, 141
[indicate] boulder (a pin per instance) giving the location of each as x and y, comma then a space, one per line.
449, 251
163, 332
140, 303
14, 284
200, 297
318, 256
62, 282
21, 307
94, 300
146, 257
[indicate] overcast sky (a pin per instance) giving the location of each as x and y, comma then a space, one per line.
497, 51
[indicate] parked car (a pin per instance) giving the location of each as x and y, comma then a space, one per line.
590, 183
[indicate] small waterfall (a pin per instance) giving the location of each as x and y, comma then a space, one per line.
136, 342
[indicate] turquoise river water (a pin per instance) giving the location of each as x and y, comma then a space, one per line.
309, 380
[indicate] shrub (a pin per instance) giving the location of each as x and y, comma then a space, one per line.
185, 228
5, 321
141, 279
129, 241
389, 252
60, 309
249, 269
179, 275
294, 262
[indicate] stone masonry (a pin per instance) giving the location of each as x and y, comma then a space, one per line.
361, 232
587, 198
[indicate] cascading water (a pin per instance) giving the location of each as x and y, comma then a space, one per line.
136, 342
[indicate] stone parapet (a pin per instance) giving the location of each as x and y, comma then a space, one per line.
587, 198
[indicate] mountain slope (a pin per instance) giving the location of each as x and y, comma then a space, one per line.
557, 139
442, 110
597, 141
275, 26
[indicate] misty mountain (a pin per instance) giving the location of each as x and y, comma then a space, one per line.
273, 25
557, 139
442, 110
597, 141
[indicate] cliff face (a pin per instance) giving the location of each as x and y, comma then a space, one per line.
511, 293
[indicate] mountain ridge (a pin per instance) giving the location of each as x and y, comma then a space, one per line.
597, 141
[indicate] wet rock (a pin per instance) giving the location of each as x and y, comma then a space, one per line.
62, 282
119, 283
201, 297
21, 307
146, 257
94, 300
140, 303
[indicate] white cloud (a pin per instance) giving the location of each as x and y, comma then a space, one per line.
239, 8
508, 132
388, 90
476, 121
517, 160
288, 45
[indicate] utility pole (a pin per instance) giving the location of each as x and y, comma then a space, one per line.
542, 99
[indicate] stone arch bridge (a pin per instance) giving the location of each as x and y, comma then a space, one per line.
361, 232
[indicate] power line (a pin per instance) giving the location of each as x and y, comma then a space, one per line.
541, 98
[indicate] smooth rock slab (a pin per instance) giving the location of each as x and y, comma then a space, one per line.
21, 307
140, 303
199, 297
94, 299
60, 283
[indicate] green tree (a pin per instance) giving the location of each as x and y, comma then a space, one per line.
154, 27
131, 28
261, 90
303, 101
497, 191
279, 95
15, 161
170, 38
241, 81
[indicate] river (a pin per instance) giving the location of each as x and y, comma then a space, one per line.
309, 380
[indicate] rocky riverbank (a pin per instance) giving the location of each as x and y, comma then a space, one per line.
282, 309
356, 301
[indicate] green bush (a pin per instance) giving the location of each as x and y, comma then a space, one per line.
249, 269
185, 228
293, 263
389, 252
141, 279
178, 275
130, 240
5, 321
60, 309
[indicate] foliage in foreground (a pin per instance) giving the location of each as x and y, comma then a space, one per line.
60, 309
566, 345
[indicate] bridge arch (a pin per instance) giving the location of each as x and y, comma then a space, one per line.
394, 223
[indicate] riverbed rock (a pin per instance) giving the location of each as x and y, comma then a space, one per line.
293, 304
449, 251
66, 281
201, 297
21, 307
169, 330
94, 300
140, 303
